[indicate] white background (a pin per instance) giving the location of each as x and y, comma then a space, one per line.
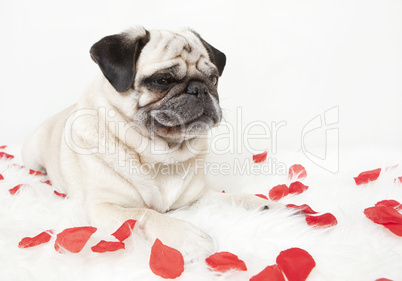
287, 61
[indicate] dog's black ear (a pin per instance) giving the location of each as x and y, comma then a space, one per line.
117, 55
217, 57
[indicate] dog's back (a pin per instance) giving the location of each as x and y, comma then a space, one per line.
41, 152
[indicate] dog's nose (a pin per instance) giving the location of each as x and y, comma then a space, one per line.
197, 88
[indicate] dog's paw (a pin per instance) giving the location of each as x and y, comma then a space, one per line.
193, 241
253, 202
180, 235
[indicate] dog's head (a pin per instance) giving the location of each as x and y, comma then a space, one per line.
173, 74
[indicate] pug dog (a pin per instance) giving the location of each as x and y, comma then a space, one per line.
133, 146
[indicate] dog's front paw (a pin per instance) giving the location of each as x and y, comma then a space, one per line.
193, 241
181, 235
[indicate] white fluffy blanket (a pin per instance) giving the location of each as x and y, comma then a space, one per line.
354, 249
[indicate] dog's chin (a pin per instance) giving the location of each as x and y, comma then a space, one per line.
179, 133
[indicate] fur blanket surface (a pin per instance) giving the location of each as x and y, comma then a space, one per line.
352, 237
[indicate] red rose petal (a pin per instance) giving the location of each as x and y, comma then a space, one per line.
106, 246
383, 215
47, 182
261, 157
270, 273
73, 239
1, 177
17, 188
262, 196
223, 191
395, 228
35, 173
297, 187
295, 263
60, 194
7, 156
368, 176
165, 261
383, 279
125, 230
297, 171
305, 209
278, 192
41, 238
398, 180
325, 220
225, 261
3, 146
390, 203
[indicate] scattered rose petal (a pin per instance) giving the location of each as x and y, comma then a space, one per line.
106, 246
383, 214
223, 191
325, 220
305, 209
261, 157
297, 187
270, 273
295, 263
47, 182
1, 177
395, 228
383, 279
35, 173
262, 196
3, 146
17, 188
297, 171
60, 194
41, 238
398, 180
278, 192
7, 156
390, 203
165, 261
368, 176
225, 261
73, 239
125, 230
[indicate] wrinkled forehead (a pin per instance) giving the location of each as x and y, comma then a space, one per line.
180, 52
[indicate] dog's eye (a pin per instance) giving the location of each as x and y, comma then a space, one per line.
163, 81
214, 80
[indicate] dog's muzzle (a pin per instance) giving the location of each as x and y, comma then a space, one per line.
194, 103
